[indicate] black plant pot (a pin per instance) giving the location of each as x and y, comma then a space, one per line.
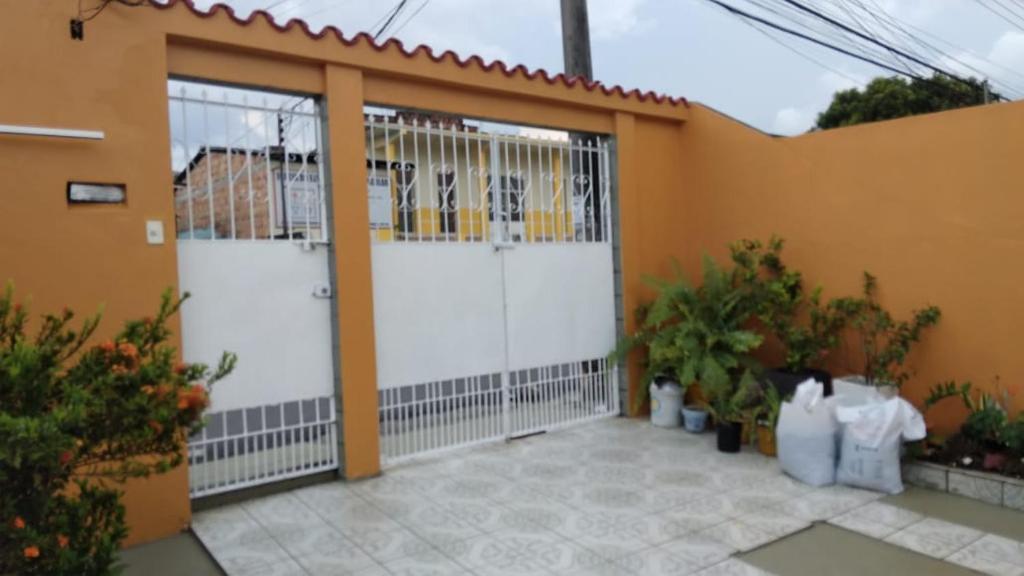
786, 381
730, 436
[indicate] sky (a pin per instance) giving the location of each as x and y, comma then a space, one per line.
688, 48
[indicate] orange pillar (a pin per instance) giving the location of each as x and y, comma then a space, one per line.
629, 230
343, 96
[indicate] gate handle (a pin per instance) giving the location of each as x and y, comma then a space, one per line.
504, 246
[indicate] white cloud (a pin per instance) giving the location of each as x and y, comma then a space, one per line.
1008, 50
790, 121
610, 19
799, 119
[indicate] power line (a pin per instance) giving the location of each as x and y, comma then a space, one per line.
874, 40
394, 14
899, 29
822, 31
1000, 14
799, 53
902, 25
409, 19
798, 34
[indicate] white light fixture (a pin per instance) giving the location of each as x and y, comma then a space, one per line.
89, 193
50, 132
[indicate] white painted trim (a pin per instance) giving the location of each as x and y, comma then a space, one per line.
51, 132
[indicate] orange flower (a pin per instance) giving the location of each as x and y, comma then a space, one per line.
107, 346
31, 552
62, 540
129, 350
162, 390
194, 397
148, 390
181, 368
19, 523
156, 426
118, 370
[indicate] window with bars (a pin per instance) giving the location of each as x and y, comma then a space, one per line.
510, 199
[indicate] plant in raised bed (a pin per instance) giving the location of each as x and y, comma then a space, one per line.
988, 438
886, 342
78, 419
808, 329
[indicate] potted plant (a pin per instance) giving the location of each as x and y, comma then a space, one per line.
885, 341
658, 327
767, 418
717, 349
733, 405
696, 334
807, 329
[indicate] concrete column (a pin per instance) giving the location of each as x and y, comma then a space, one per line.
343, 97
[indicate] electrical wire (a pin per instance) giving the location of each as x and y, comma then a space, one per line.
744, 14
407, 20
91, 13
904, 28
391, 18
799, 53
1000, 14
874, 40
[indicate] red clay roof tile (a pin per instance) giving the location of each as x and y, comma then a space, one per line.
392, 43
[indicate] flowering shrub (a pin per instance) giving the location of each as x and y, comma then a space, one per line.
76, 420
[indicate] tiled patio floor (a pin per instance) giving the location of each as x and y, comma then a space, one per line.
613, 497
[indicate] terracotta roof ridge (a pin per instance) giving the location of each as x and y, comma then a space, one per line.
539, 73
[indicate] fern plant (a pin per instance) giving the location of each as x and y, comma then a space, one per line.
695, 333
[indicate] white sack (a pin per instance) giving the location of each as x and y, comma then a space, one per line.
872, 436
806, 435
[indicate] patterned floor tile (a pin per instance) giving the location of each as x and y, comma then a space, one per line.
657, 562
732, 567
934, 537
700, 550
430, 563
876, 519
387, 545
287, 568
226, 527
738, 535
992, 555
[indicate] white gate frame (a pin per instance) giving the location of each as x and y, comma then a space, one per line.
533, 191
255, 191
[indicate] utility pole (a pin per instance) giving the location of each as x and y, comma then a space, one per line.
576, 55
576, 39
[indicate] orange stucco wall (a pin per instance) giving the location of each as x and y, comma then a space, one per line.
115, 81
931, 205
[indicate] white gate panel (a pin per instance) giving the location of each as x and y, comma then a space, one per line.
256, 299
561, 303
437, 310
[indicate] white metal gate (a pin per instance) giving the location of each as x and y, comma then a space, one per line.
251, 231
493, 281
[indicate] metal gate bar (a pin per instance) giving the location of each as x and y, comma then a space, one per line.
433, 417
268, 444
249, 169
